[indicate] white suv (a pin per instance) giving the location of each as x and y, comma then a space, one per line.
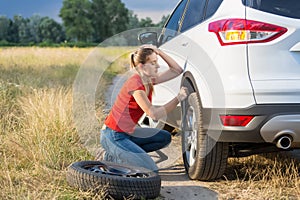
242, 68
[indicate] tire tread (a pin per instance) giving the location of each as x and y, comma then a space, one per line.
211, 156
116, 186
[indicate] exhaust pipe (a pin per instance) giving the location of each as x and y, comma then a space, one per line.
284, 142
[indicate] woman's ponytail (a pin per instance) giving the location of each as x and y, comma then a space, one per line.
132, 63
141, 56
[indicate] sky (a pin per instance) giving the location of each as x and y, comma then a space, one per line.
154, 9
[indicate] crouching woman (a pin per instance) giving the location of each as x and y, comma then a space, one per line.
122, 139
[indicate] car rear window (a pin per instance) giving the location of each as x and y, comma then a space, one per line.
287, 8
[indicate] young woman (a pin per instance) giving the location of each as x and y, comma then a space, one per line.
123, 141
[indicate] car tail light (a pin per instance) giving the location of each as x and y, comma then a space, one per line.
242, 31
236, 120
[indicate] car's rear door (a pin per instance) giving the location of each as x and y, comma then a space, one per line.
274, 60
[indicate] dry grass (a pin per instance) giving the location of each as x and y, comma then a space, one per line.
40, 58
38, 137
39, 140
41, 67
271, 176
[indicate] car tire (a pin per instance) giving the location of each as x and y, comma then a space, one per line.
204, 158
118, 181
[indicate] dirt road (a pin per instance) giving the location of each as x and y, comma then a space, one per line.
175, 182
176, 185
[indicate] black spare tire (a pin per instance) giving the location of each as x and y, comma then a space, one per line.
118, 180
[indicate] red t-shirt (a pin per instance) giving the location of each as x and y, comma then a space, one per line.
125, 112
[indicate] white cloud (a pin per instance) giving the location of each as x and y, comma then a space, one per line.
150, 5
155, 15
154, 9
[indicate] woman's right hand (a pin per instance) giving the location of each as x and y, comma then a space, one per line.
183, 93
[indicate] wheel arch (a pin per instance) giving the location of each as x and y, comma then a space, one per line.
188, 76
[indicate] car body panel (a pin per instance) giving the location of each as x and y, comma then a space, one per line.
274, 67
259, 79
209, 63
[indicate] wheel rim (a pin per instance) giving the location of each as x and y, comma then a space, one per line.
190, 134
115, 170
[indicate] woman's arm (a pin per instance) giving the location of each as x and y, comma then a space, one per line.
174, 68
158, 112
173, 71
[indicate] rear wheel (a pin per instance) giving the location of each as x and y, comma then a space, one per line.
204, 158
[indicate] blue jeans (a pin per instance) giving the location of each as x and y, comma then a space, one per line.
132, 149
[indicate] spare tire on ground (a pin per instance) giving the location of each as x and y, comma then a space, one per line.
117, 180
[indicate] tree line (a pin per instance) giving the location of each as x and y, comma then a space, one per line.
83, 22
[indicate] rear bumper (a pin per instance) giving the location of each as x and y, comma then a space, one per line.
271, 122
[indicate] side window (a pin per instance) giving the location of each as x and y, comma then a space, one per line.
173, 24
212, 7
194, 14
174, 21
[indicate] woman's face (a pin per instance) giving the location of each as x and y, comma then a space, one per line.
150, 68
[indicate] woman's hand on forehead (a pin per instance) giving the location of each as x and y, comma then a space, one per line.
150, 46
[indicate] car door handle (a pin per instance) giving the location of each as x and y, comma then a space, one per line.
185, 44
296, 48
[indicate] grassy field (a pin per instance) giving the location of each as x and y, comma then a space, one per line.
37, 134
39, 140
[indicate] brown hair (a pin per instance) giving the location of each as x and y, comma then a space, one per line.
141, 56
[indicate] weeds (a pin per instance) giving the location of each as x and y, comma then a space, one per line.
38, 137
260, 177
